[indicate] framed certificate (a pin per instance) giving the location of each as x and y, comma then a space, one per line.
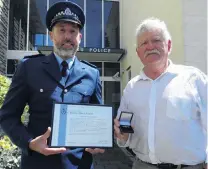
82, 125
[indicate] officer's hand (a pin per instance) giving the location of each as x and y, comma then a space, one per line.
117, 132
39, 144
95, 150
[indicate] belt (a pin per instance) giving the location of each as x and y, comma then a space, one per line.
167, 165
170, 166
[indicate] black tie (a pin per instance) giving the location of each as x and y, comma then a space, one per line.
64, 69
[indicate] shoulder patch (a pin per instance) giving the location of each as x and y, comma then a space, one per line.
87, 63
33, 56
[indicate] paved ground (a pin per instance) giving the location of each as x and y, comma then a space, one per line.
115, 158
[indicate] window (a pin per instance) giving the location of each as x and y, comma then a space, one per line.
17, 25
111, 24
93, 23
99, 66
111, 69
102, 24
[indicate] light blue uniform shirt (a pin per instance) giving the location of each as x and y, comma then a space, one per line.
70, 62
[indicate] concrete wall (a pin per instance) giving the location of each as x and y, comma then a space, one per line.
133, 12
195, 33
4, 15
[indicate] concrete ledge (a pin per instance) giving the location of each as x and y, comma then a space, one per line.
19, 54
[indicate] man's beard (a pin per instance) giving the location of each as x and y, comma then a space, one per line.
65, 53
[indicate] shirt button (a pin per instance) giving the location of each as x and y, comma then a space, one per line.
41, 90
65, 90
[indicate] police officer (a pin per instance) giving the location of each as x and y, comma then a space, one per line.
41, 80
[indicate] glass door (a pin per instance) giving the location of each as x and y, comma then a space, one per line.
110, 79
112, 95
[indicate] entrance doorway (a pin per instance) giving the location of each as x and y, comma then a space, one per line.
111, 85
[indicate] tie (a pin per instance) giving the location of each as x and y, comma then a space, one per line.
64, 69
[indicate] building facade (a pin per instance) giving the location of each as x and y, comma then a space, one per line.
186, 21
108, 36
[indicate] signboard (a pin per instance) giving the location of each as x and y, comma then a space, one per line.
95, 50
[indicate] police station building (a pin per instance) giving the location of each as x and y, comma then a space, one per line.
108, 36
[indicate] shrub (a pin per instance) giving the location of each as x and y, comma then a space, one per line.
9, 153
4, 86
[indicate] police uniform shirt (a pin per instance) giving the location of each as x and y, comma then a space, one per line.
70, 62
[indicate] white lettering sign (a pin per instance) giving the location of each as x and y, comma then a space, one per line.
99, 50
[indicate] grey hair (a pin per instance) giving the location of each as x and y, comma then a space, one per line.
150, 24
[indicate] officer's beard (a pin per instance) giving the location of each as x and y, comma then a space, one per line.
65, 53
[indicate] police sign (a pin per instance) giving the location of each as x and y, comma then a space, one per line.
95, 50
99, 50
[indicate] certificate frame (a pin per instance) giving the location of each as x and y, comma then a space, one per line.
56, 126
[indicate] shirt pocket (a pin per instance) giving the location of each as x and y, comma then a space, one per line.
180, 107
81, 93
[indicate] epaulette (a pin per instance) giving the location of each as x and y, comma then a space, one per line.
33, 56
84, 61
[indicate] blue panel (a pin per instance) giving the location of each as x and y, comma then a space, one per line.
40, 8
111, 21
62, 125
93, 23
39, 40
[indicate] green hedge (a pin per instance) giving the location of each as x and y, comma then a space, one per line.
4, 85
9, 153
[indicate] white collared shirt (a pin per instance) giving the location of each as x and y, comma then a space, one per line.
170, 116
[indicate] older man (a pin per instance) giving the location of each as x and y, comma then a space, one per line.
169, 103
41, 80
